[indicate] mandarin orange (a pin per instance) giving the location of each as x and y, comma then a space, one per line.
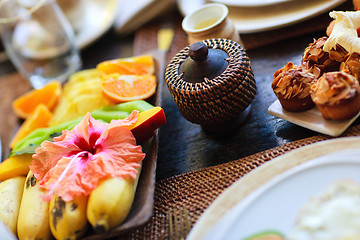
49, 95
138, 65
38, 119
124, 88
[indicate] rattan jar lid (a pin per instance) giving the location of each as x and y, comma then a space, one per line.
203, 63
212, 101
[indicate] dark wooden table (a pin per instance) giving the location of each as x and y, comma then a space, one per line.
186, 147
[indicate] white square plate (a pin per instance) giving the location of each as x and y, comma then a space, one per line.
311, 119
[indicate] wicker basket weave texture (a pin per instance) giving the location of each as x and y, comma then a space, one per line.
216, 100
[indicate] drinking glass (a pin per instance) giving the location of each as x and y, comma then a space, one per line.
39, 40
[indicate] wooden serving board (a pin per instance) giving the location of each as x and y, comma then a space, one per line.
261, 175
11, 87
142, 208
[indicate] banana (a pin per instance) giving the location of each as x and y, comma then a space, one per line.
11, 191
68, 219
110, 203
33, 220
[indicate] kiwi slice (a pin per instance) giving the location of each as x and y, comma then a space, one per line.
266, 235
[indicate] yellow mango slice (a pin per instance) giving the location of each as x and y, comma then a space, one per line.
17, 165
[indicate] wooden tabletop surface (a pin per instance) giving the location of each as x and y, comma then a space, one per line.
184, 146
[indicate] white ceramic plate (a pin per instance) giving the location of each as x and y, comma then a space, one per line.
5, 233
276, 204
258, 19
249, 3
283, 188
312, 119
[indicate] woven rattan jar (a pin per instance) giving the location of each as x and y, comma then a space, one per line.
210, 98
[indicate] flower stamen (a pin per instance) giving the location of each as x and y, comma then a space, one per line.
63, 174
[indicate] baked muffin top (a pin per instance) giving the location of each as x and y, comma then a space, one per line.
292, 81
333, 87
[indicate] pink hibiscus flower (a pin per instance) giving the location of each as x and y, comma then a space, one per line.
79, 159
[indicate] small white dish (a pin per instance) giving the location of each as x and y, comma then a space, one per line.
209, 21
311, 119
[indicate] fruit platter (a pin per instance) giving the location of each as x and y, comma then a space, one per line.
82, 162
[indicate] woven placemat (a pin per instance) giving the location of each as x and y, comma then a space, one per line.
198, 189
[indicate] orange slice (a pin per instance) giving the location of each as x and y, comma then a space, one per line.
38, 119
139, 65
123, 88
49, 95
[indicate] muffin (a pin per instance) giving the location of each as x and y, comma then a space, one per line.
332, 215
337, 95
291, 86
352, 65
318, 61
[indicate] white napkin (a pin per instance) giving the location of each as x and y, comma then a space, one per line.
132, 14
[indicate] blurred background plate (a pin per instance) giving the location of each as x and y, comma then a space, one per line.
249, 3
134, 14
91, 19
264, 18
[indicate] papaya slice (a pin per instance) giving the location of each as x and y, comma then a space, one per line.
148, 121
